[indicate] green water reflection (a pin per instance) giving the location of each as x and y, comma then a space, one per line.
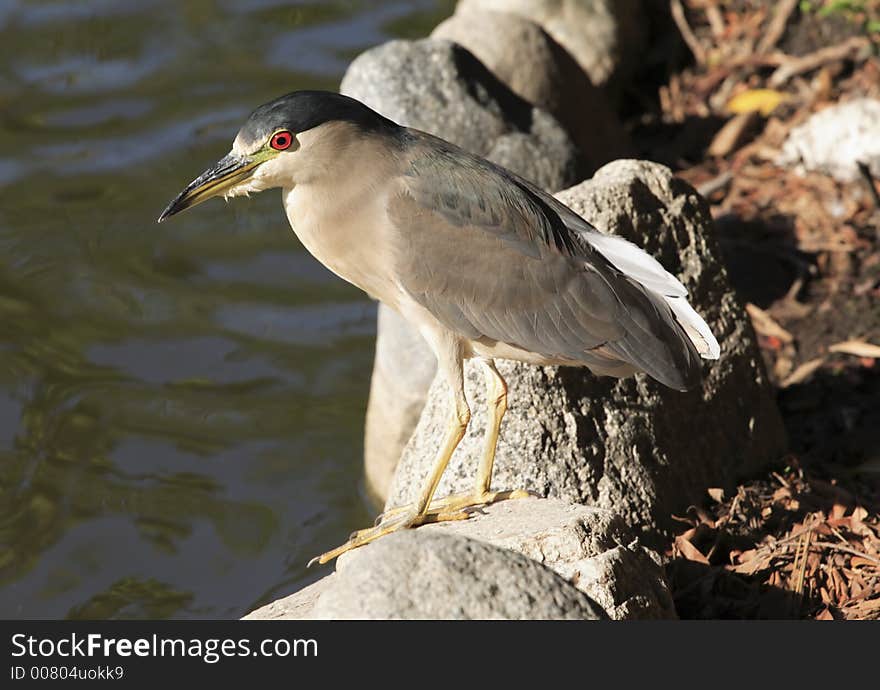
181, 405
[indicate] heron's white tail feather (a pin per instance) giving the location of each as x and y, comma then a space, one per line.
696, 329
645, 269
637, 264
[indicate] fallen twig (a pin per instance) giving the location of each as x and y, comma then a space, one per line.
845, 549
716, 20
777, 25
705, 84
709, 187
799, 570
795, 66
687, 33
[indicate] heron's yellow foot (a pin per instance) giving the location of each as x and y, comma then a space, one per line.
403, 519
459, 502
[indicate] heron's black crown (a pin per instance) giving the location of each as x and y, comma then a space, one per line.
301, 111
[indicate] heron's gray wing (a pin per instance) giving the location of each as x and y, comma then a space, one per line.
490, 257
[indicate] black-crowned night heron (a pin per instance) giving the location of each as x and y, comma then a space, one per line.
482, 262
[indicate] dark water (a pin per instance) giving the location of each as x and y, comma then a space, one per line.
181, 405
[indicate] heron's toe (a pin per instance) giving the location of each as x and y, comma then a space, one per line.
389, 523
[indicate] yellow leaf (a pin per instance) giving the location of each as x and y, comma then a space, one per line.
765, 101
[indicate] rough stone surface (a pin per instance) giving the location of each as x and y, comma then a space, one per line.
296, 606
403, 369
418, 574
527, 59
590, 549
835, 139
604, 36
630, 445
441, 88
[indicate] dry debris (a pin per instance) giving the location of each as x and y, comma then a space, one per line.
804, 252
791, 546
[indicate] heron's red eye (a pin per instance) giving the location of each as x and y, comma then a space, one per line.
281, 140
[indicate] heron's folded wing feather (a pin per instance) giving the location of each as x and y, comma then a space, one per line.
493, 259
644, 269
488, 263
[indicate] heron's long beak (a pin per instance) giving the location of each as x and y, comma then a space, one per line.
227, 173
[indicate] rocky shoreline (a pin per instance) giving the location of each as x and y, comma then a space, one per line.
526, 558
531, 85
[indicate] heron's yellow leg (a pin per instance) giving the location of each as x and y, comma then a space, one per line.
417, 513
496, 399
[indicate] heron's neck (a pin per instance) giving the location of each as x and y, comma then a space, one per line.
341, 226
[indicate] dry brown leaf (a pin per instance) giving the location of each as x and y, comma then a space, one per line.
859, 348
856, 561
857, 522
780, 493
824, 529
747, 555
750, 566
782, 367
732, 134
825, 615
689, 551
865, 608
802, 372
856, 586
716, 494
765, 324
705, 518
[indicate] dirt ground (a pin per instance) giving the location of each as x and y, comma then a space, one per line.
803, 251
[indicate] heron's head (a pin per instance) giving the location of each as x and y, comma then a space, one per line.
283, 143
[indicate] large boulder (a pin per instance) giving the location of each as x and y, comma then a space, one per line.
403, 369
426, 575
296, 606
526, 58
529, 558
630, 445
440, 87
604, 36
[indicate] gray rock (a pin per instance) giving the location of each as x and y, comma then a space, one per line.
523, 56
630, 445
420, 574
593, 549
590, 549
296, 606
403, 369
836, 139
441, 88
604, 36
